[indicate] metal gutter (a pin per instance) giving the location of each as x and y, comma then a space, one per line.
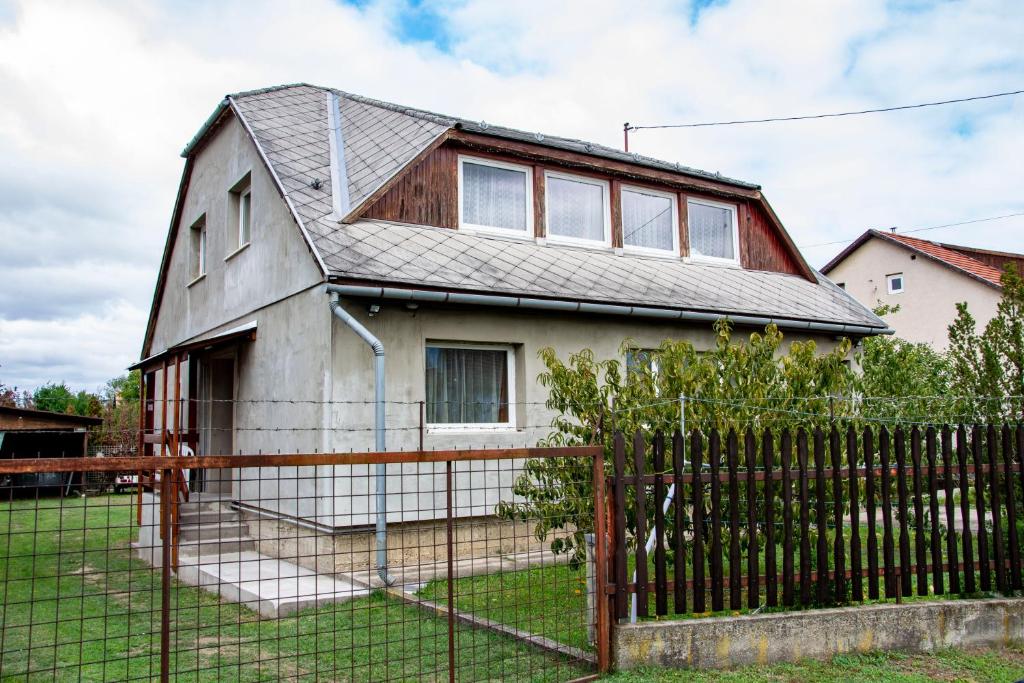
418, 295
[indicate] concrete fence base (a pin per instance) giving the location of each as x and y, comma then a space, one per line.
726, 642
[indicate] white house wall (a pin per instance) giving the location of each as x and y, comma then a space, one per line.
404, 334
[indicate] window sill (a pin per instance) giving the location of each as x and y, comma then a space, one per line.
197, 279
580, 244
236, 252
507, 233
653, 253
470, 429
712, 261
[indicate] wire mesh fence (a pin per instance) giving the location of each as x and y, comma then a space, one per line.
287, 567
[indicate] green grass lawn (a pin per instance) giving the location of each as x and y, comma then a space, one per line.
74, 605
1002, 666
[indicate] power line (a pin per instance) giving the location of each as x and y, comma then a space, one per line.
828, 116
930, 227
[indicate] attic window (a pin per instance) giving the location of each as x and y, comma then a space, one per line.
895, 282
495, 196
578, 211
197, 236
649, 221
240, 215
714, 232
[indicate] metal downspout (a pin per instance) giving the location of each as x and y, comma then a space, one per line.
379, 433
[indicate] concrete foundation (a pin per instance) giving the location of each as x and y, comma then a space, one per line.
410, 544
726, 642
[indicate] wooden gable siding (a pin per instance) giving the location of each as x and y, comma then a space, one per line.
427, 194
761, 246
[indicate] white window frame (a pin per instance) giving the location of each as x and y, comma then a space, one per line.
650, 251
903, 283
526, 234
246, 192
734, 210
510, 364
605, 186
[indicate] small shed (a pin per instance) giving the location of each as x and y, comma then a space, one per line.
26, 433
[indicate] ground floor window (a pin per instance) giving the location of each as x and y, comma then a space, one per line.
470, 386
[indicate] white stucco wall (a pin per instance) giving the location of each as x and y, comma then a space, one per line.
930, 291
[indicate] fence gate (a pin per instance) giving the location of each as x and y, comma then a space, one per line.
278, 574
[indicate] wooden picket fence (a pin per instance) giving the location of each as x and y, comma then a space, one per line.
755, 519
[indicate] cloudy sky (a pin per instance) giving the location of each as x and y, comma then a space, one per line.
98, 99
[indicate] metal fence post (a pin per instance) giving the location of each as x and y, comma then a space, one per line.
602, 601
165, 576
451, 578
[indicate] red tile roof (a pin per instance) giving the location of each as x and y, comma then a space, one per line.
950, 257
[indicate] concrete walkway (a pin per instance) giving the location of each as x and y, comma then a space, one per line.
270, 586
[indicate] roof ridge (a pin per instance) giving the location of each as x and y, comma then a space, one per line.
272, 88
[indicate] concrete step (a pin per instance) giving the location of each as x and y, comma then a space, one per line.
214, 531
207, 548
207, 517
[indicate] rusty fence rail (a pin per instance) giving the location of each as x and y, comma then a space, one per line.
264, 567
795, 519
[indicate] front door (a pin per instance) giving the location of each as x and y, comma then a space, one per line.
216, 419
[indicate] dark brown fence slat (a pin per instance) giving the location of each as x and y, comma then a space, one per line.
901, 498
660, 568
696, 446
869, 506
786, 454
933, 511
735, 565
888, 552
1011, 509
639, 457
821, 514
951, 546
839, 543
717, 579
1020, 464
621, 608
920, 556
753, 568
994, 485
679, 528
857, 581
805, 524
965, 511
771, 581
979, 507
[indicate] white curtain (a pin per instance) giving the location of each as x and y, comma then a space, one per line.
575, 209
492, 196
646, 220
711, 231
467, 386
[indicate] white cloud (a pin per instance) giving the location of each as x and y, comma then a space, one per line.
100, 98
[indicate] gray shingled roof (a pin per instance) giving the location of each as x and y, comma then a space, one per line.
290, 126
381, 251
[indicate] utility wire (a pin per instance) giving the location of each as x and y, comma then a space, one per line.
930, 227
829, 116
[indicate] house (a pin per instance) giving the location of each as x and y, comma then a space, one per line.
310, 222
926, 279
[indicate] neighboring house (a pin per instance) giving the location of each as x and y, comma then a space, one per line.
926, 279
465, 247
